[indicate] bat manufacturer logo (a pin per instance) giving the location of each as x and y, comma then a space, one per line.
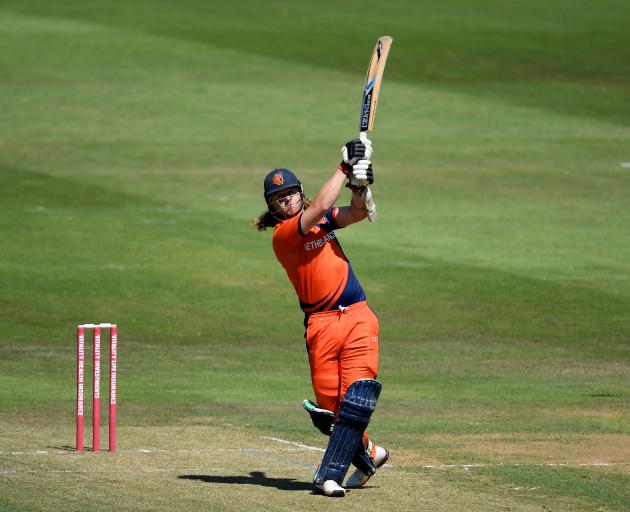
365, 111
278, 179
369, 85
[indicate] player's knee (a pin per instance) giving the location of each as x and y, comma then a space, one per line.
360, 400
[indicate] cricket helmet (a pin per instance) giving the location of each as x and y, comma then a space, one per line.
276, 181
280, 179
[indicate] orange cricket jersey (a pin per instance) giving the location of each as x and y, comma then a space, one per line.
316, 265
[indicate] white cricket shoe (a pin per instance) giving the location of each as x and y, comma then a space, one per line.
359, 478
331, 488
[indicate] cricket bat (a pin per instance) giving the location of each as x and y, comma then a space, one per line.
373, 80
373, 85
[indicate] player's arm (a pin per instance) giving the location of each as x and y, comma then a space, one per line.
352, 153
357, 168
324, 201
353, 213
361, 203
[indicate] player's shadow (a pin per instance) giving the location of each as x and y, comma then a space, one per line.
254, 478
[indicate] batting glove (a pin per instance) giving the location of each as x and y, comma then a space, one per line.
369, 204
362, 172
323, 419
355, 150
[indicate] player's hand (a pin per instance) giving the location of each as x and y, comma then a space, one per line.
362, 173
323, 419
355, 150
360, 189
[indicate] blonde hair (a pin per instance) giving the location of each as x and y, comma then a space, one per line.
267, 220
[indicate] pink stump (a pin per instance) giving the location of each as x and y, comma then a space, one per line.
80, 384
96, 392
113, 363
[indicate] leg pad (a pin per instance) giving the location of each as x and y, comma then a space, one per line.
355, 411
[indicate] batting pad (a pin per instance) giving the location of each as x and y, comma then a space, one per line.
356, 409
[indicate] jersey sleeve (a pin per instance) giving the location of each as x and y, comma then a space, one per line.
331, 217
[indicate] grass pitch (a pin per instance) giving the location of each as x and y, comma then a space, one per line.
133, 143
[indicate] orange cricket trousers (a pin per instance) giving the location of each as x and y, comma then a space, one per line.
342, 348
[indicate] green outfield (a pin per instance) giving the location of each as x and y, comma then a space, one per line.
134, 137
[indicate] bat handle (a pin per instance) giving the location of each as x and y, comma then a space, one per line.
363, 136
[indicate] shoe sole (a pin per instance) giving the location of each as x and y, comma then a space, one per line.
339, 493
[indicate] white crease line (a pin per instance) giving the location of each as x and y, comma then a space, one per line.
299, 445
139, 450
524, 464
450, 466
38, 452
467, 466
314, 448
181, 450
304, 446
14, 471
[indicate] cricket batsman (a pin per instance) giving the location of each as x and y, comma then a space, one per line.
341, 328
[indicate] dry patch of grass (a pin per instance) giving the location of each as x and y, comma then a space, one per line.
580, 450
217, 467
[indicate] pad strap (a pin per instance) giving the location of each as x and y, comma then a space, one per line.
363, 461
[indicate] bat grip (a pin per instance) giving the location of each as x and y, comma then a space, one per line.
363, 136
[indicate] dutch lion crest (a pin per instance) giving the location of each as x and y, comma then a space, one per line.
278, 179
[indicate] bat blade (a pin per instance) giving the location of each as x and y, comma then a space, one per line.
372, 87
